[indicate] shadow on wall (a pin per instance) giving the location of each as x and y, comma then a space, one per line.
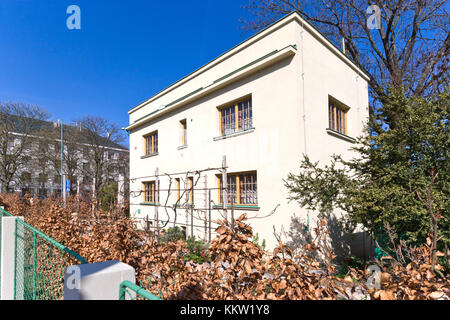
358, 244
345, 245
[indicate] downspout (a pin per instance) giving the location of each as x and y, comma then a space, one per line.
304, 112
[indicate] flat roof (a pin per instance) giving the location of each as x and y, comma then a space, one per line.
244, 44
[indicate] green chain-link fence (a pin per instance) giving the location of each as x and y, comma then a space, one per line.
132, 291
40, 262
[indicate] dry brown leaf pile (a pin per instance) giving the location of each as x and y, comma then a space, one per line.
239, 269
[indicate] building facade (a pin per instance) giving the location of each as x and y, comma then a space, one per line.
247, 117
39, 173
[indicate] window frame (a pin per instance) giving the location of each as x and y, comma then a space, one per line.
237, 189
151, 193
191, 190
183, 133
337, 116
178, 183
238, 119
154, 150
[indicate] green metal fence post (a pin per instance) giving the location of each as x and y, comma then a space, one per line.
34, 264
39, 272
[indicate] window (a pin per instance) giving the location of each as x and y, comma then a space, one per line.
87, 181
26, 177
86, 167
151, 143
245, 115
236, 117
43, 146
57, 179
177, 181
242, 188
150, 191
337, 116
42, 178
183, 133
42, 192
191, 190
248, 189
26, 159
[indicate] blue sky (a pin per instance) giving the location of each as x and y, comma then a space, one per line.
125, 52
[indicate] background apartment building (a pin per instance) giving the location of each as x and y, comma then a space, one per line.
50, 145
285, 92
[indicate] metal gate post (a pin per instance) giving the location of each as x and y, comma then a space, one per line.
8, 268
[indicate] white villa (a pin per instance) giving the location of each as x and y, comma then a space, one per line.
284, 92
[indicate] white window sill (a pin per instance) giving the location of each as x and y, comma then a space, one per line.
234, 134
340, 135
239, 207
150, 155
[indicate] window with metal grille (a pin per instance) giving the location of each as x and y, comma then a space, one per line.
236, 117
242, 188
248, 189
245, 115
228, 120
150, 191
151, 143
337, 117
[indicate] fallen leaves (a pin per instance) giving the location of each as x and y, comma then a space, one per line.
239, 269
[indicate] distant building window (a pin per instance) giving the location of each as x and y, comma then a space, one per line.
86, 168
42, 192
150, 191
242, 188
42, 178
26, 177
151, 143
337, 116
57, 179
235, 117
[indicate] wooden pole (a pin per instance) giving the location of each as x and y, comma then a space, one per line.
186, 186
157, 202
192, 220
209, 218
206, 206
225, 187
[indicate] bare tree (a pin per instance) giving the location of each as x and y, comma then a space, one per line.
96, 138
410, 49
19, 126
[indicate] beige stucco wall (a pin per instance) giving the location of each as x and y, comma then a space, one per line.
285, 95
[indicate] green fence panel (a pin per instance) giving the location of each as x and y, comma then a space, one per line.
3, 213
40, 262
139, 292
